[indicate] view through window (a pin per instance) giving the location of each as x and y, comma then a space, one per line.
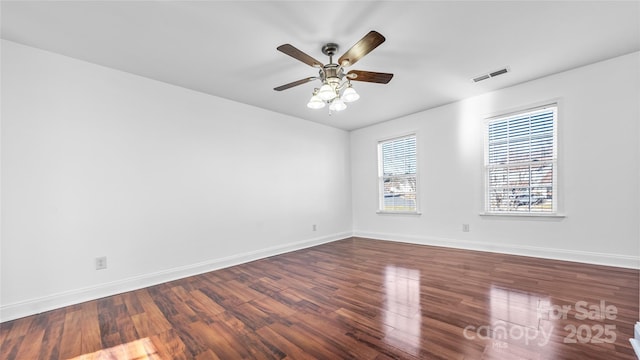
521, 162
397, 174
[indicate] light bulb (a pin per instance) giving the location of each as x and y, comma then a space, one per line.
315, 102
337, 105
350, 95
326, 92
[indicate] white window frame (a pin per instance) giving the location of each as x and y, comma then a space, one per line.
555, 191
381, 177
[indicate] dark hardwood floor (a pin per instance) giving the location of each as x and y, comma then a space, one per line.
353, 298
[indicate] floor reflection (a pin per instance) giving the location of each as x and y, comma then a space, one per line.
142, 349
402, 308
515, 307
518, 324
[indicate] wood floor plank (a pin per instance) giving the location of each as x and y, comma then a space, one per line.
203, 305
243, 339
354, 298
71, 339
34, 337
10, 347
211, 336
207, 355
17, 329
152, 321
333, 332
90, 328
170, 345
285, 346
310, 345
53, 321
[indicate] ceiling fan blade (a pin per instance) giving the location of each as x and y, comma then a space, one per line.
361, 48
295, 83
299, 55
369, 76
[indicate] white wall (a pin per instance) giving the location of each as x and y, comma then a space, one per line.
599, 180
164, 181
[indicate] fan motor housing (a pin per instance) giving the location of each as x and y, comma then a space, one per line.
332, 73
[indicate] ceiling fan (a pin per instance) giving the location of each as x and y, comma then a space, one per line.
336, 87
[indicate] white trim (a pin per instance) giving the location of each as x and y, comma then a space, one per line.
539, 105
635, 343
623, 261
415, 213
72, 297
50, 302
523, 214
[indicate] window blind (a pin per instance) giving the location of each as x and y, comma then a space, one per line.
521, 162
398, 178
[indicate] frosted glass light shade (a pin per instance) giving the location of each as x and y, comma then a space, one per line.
337, 105
350, 95
326, 92
315, 102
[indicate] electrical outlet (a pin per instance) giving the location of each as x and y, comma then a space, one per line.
465, 227
314, 227
101, 263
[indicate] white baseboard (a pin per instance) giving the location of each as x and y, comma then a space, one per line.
623, 261
55, 301
636, 347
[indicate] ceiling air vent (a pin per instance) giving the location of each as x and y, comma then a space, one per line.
491, 74
481, 77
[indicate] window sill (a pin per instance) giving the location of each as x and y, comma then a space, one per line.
409, 213
523, 215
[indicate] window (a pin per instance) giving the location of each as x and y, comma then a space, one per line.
397, 175
521, 162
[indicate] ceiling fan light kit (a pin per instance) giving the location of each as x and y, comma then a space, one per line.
337, 105
315, 102
327, 92
336, 89
349, 94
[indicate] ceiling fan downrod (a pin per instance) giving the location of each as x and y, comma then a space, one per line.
330, 49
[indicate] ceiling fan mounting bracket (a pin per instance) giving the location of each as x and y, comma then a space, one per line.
330, 49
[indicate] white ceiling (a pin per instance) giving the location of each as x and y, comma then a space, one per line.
228, 48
